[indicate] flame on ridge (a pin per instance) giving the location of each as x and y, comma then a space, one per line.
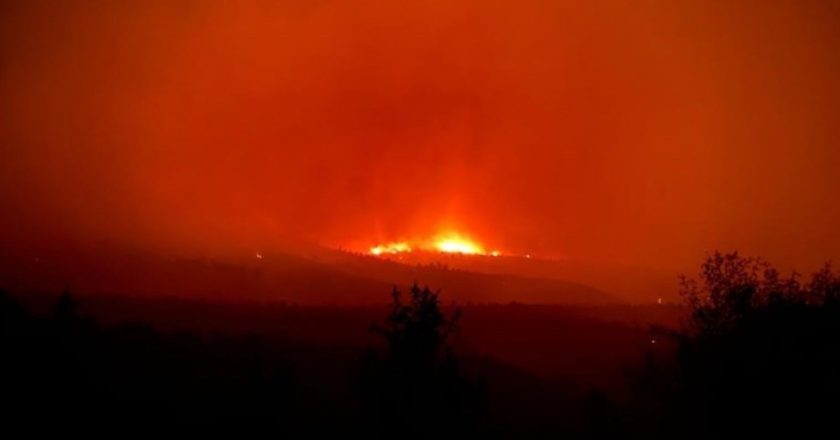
449, 243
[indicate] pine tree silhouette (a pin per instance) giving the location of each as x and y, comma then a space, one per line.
416, 388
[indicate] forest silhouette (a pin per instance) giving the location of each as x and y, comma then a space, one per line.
758, 353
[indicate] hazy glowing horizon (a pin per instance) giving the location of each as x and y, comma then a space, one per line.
637, 132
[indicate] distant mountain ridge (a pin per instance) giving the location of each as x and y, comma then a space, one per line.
322, 277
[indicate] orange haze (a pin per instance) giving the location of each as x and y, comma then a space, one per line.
642, 132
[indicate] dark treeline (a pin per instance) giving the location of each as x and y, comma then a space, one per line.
759, 353
66, 368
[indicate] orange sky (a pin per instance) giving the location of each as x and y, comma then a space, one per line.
644, 132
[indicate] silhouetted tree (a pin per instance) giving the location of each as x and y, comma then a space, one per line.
417, 331
415, 387
760, 352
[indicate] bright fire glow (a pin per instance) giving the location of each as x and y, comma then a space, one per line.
390, 248
448, 243
458, 245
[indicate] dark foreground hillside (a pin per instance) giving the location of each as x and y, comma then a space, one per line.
750, 353
296, 369
587, 345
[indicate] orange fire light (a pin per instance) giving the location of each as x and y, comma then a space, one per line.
458, 245
390, 248
448, 243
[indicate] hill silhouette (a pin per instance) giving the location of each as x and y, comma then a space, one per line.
278, 277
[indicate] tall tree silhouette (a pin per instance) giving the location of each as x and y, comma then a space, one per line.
415, 388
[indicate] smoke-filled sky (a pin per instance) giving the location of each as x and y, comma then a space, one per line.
644, 132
